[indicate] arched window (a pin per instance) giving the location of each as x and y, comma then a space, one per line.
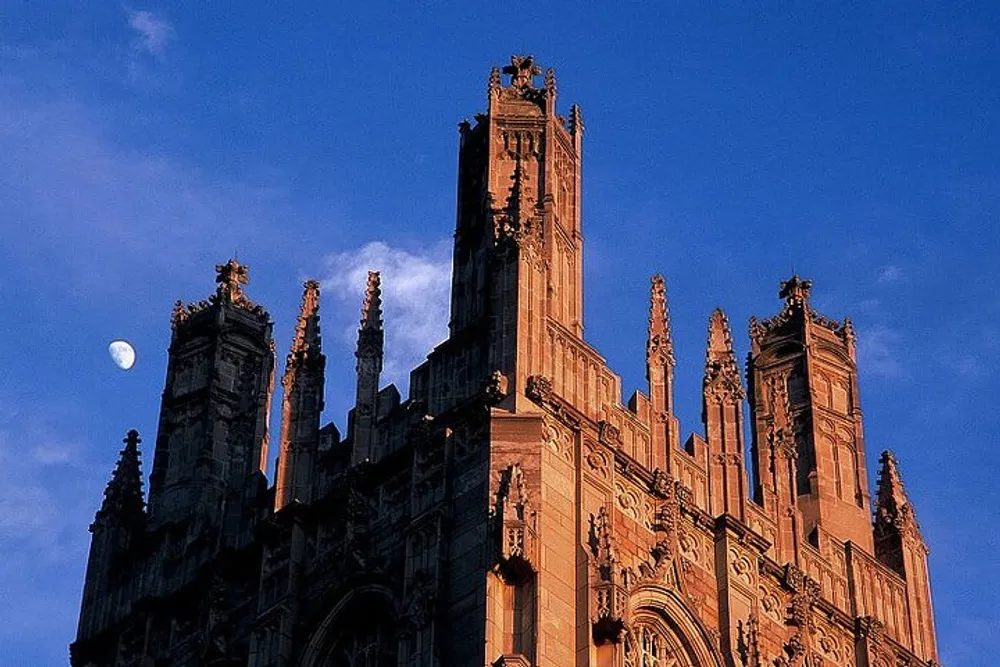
369, 645
360, 631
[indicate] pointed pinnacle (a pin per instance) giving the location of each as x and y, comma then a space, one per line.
307, 327
660, 344
892, 505
123, 495
720, 340
371, 311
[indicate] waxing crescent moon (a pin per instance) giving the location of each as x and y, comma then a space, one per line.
122, 353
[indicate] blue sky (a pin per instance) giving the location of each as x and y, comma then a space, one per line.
725, 147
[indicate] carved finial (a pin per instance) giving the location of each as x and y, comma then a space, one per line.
307, 327
550, 81
575, 120
178, 315
371, 337
659, 344
605, 543
494, 86
522, 71
722, 374
231, 277
795, 290
123, 499
748, 642
371, 310
892, 506
514, 523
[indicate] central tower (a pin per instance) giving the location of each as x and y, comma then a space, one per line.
518, 248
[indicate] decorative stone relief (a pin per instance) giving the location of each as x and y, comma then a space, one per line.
597, 461
538, 388
514, 526
741, 567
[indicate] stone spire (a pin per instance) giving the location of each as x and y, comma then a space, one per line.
371, 309
370, 355
123, 498
660, 373
302, 404
722, 414
307, 336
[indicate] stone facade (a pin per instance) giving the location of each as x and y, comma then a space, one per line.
512, 510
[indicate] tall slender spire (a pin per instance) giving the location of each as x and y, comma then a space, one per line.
660, 373
307, 328
302, 404
370, 354
722, 414
123, 498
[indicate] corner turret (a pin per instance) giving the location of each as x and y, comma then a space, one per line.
806, 361
211, 446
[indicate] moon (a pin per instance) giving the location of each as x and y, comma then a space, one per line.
122, 353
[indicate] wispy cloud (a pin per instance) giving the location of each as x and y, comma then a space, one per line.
890, 274
42, 523
415, 288
878, 352
78, 203
152, 33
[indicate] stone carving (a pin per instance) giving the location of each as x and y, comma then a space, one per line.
596, 461
517, 223
420, 605
538, 388
495, 388
662, 485
609, 434
660, 345
514, 525
610, 582
522, 71
748, 642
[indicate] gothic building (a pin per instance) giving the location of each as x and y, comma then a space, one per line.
511, 510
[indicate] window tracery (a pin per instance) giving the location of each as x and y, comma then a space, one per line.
648, 646
371, 645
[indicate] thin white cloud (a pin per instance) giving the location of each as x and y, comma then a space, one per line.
78, 204
878, 351
890, 274
48, 493
415, 289
153, 33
